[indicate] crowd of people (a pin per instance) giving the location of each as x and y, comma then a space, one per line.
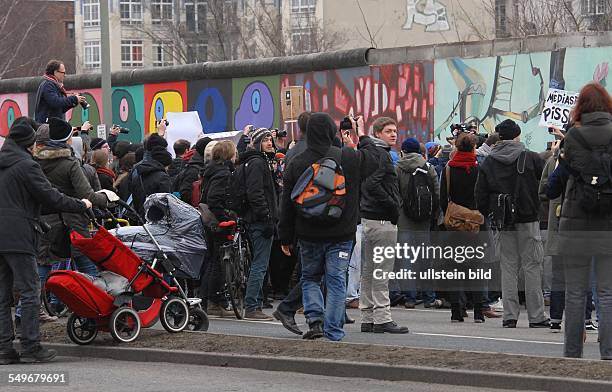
550, 247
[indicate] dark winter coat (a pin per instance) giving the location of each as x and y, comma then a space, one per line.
380, 197
582, 233
292, 226
92, 177
405, 167
176, 167
24, 189
499, 173
298, 148
190, 173
53, 102
106, 178
462, 186
65, 173
147, 177
550, 186
261, 191
216, 188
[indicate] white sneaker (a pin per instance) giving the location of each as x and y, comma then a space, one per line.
497, 306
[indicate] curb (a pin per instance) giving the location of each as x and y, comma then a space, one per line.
333, 368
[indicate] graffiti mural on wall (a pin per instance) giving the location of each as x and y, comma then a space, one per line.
213, 102
93, 114
12, 106
162, 98
255, 101
128, 111
404, 92
429, 13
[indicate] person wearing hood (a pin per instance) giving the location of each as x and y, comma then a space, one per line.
191, 172
513, 170
106, 176
261, 214
379, 204
64, 171
24, 190
324, 249
150, 176
409, 230
216, 188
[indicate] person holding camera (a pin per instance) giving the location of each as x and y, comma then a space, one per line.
52, 100
24, 189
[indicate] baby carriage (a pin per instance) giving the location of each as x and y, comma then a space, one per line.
152, 294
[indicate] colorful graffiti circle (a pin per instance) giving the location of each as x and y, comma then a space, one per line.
212, 110
124, 110
159, 109
9, 111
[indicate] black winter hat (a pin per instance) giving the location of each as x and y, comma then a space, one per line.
508, 130
96, 143
23, 134
161, 155
154, 140
201, 144
59, 130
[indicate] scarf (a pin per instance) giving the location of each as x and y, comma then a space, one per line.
106, 171
54, 144
57, 83
465, 160
188, 155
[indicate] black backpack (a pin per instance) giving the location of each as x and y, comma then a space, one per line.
595, 179
238, 201
418, 198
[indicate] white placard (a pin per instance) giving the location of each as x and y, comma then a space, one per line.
557, 108
183, 125
102, 131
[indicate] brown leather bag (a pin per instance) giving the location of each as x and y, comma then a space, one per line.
458, 217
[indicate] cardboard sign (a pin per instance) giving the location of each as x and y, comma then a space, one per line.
102, 131
557, 108
292, 102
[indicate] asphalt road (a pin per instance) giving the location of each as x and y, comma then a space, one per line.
431, 329
88, 374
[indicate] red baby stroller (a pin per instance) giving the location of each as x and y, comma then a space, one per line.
151, 296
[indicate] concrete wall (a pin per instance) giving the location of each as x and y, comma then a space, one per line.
425, 88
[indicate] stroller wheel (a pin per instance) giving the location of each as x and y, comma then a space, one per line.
124, 325
174, 315
81, 330
198, 320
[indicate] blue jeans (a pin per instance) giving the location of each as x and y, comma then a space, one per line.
85, 266
259, 266
43, 272
329, 259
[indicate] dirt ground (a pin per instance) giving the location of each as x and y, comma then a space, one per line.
488, 362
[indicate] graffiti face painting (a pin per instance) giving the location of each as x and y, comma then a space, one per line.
256, 107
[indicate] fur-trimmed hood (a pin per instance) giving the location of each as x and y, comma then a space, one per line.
53, 153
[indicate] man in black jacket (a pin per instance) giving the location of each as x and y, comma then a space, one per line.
379, 215
149, 176
513, 170
180, 147
324, 249
23, 190
261, 215
192, 170
52, 100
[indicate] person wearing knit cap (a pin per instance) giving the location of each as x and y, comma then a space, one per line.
24, 191
411, 146
150, 176
511, 169
98, 143
190, 173
261, 214
59, 130
432, 149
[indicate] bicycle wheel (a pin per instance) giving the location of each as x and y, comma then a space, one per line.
233, 284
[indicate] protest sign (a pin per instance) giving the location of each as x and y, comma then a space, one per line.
557, 108
183, 125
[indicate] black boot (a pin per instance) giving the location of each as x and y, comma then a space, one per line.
478, 316
456, 313
315, 331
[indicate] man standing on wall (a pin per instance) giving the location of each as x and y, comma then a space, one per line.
52, 100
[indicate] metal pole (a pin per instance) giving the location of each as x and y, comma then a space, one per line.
106, 64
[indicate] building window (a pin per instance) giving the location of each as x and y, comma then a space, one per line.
303, 5
91, 13
196, 13
70, 30
162, 54
301, 41
501, 29
162, 10
91, 52
131, 11
131, 53
197, 53
593, 7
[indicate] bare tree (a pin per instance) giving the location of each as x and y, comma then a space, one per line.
26, 45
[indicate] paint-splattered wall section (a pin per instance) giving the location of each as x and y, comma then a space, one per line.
485, 89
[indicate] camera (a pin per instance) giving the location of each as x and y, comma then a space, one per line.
166, 121
281, 133
346, 124
121, 129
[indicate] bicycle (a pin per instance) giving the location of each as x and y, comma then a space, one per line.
235, 257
